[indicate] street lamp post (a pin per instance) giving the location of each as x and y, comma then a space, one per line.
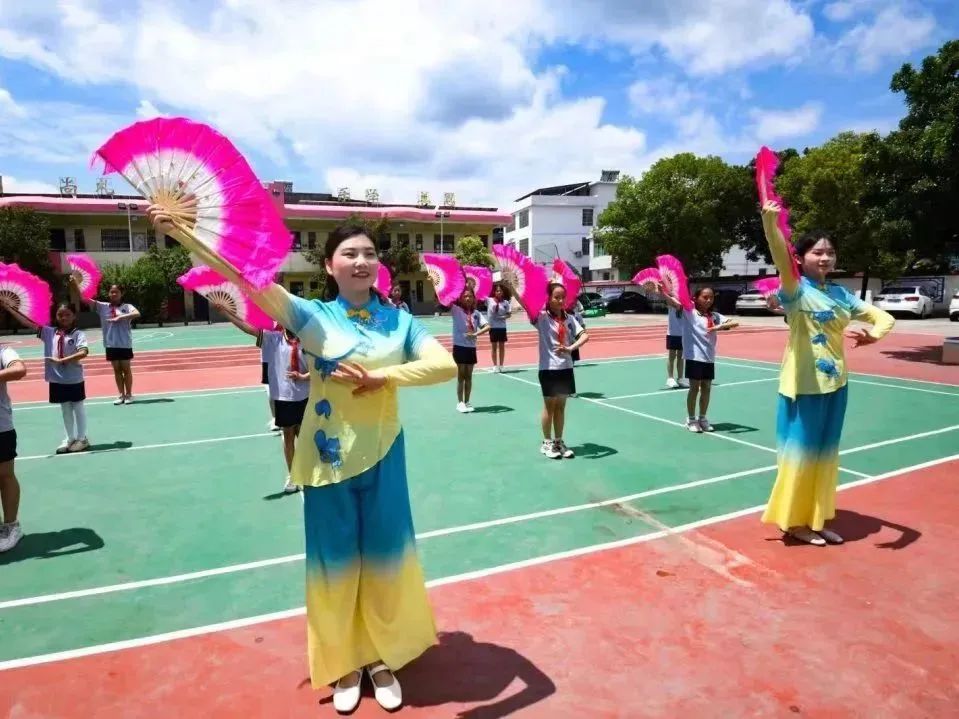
128, 206
441, 214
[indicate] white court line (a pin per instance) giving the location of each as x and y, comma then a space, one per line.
776, 366
716, 435
475, 526
897, 440
442, 581
251, 389
210, 440
674, 389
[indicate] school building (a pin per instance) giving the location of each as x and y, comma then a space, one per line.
114, 229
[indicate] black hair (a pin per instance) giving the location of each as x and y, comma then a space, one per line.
465, 290
808, 240
700, 290
337, 237
507, 292
66, 306
550, 289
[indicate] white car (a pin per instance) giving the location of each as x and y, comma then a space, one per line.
954, 307
751, 301
911, 299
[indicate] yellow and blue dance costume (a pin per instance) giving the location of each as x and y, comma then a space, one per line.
365, 591
812, 393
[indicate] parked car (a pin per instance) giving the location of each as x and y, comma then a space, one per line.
954, 307
591, 300
750, 302
906, 299
628, 301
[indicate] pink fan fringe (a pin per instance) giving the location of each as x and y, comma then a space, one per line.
674, 278
648, 277
34, 293
203, 279
767, 286
447, 275
252, 236
532, 278
384, 281
766, 165
483, 278
570, 280
89, 271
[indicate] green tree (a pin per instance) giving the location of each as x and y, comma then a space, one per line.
149, 281
470, 250
25, 239
684, 205
912, 175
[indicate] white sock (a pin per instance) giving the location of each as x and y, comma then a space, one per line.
68, 422
80, 412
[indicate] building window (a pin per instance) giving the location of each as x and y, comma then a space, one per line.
587, 217
419, 243
297, 242
523, 219
420, 297
112, 240
762, 271
599, 248
314, 286
386, 240
79, 241
311, 241
296, 288
524, 247
403, 239
169, 242
605, 276
585, 248
485, 240
443, 245
58, 239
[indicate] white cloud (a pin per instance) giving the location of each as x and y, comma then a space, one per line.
844, 10
660, 96
783, 124
147, 110
891, 34
15, 184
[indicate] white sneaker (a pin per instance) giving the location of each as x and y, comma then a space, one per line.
805, 534
671, 383
289, 487
119, 400
461, 407
271, 426
705, 425
10, 536
469, 408
65, 446
548, 448
683, 384
128, 400
564, 451
693, 426
830, 536
345, 700
389, 697
81, 445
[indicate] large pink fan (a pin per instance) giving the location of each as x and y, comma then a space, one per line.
528, 280
483, 280
650, 279
767, 286
384, 281
446, 275
219, 290
674, 279
564, 274
766, 164
26, 293
87, 274
168, 159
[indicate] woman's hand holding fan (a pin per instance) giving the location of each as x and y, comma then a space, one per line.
225, 295
771, 203
203, 193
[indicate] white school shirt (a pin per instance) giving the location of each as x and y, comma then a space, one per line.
496, 313
698, 344
674, 322
7, 357
116, 335
73, 342
279, 352
459, 326
548, 329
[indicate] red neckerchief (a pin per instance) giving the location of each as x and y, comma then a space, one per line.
469, 320
113, 309
61, 334
294, 354
709, 319
560, 330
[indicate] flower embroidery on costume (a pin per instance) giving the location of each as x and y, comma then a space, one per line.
361, 315
326, 367
819, 339
324, 408
827, 367
823, 316
329, 448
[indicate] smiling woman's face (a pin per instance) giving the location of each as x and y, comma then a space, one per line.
354, 264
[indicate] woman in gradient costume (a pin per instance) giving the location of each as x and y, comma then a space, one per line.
366, 601
812, 385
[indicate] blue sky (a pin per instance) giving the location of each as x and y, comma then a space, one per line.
488, 100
